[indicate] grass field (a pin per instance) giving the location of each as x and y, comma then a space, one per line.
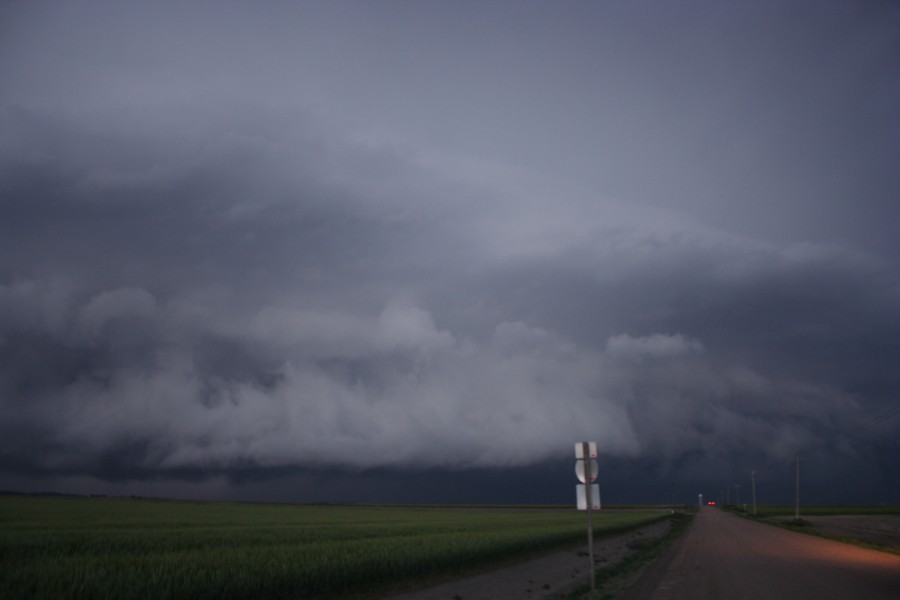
764, 511
64, 547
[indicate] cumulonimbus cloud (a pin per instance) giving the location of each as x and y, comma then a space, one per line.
391, 389
192, 281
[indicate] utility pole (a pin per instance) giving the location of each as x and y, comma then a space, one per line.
797, 489
753, 480
737, 495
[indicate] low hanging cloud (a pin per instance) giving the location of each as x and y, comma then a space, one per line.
143, 393
392, 390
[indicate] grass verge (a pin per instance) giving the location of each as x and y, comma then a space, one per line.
804, 526
607, 578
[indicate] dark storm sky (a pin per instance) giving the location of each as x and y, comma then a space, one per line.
382, 250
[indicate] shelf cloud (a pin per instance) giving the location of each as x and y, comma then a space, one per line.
415, 236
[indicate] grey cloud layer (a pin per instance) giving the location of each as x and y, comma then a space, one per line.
174, 323
285, 387
224, 260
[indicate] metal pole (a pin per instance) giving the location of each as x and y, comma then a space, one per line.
586, 453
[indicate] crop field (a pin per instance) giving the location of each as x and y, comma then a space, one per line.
821, 511
66, 547
868, 526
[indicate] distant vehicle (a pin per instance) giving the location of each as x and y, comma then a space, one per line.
711, 503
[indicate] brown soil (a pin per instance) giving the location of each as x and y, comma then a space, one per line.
546, 577
881, 530
726, 556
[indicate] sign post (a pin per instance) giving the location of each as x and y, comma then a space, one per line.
588, 494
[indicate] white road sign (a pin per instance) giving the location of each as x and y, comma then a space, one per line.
580, 471
579, 449
580, 494
585, 452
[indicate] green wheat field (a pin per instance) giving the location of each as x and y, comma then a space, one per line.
75, 547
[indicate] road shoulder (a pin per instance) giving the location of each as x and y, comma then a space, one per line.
547, 577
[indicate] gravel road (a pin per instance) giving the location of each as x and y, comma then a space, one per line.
725, 556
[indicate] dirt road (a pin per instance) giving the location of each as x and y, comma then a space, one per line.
725, 556
549, 576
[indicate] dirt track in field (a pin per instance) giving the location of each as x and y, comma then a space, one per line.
542, 578
725, 556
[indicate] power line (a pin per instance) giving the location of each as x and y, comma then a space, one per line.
890, 413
